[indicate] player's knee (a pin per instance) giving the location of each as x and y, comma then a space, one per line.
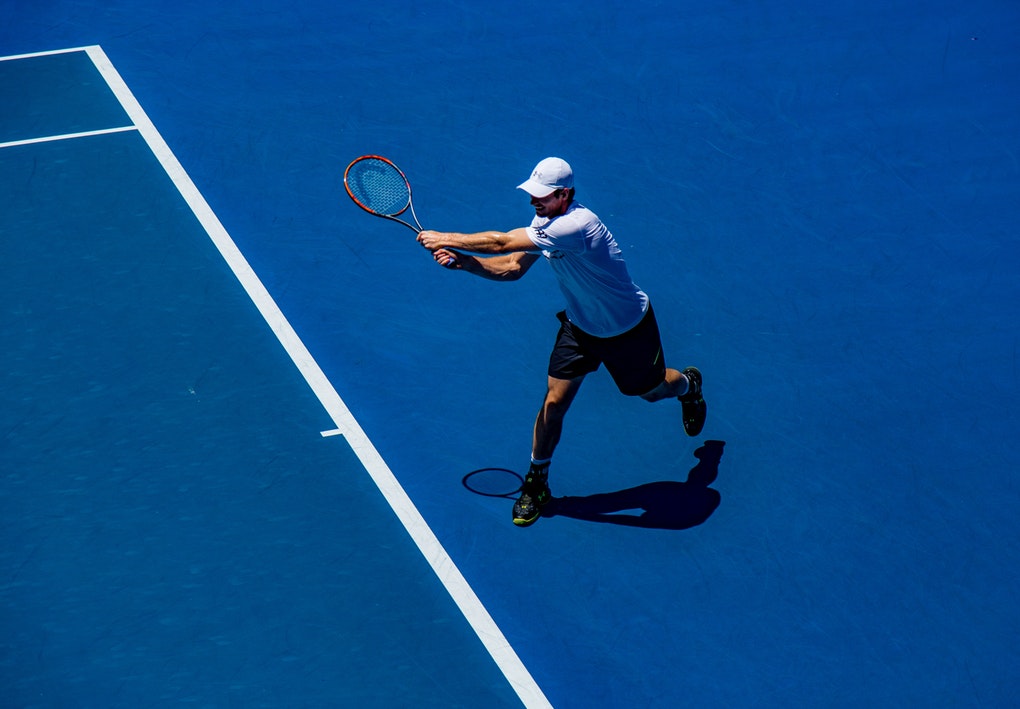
554, 407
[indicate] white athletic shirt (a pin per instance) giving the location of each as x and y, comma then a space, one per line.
601, 298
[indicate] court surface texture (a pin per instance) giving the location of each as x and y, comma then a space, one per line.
259, 450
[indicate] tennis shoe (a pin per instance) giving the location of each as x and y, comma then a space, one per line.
535, 494
693, 403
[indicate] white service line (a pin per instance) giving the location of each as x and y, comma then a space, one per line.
463, 595
48, 53
66, 136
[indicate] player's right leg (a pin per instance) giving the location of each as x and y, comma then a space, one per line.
535, 491
559, 396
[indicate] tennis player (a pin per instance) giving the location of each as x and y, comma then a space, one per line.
608, 319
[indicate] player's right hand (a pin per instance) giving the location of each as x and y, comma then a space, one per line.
447, 258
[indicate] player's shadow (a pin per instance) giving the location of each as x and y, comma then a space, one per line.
665, 505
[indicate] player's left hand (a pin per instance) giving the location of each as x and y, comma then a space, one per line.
429, 239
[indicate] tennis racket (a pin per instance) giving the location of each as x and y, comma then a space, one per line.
380, 188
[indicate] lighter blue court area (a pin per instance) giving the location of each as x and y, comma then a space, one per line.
54, 95
176, 529
822, 202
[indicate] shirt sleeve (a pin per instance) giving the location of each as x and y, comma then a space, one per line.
560, 234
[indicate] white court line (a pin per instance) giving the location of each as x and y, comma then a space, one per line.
66, 136
48, 53
456, 585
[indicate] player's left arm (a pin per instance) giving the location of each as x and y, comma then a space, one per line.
483, 242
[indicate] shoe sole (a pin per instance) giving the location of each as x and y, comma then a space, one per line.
694, 412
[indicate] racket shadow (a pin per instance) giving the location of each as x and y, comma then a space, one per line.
666, 504
494, 482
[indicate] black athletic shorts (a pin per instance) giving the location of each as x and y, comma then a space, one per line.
634, 358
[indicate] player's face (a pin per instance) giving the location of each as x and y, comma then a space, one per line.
552, 205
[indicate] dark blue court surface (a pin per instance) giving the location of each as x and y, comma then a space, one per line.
822, 201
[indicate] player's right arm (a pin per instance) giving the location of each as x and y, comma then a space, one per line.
506, 267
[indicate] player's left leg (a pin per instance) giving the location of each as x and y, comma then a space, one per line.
674, 385
636, 361
693, 403
685, 386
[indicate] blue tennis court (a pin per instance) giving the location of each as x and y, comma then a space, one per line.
242, 416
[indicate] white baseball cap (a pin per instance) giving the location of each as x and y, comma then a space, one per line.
548, 176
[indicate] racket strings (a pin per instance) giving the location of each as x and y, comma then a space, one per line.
379, 187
